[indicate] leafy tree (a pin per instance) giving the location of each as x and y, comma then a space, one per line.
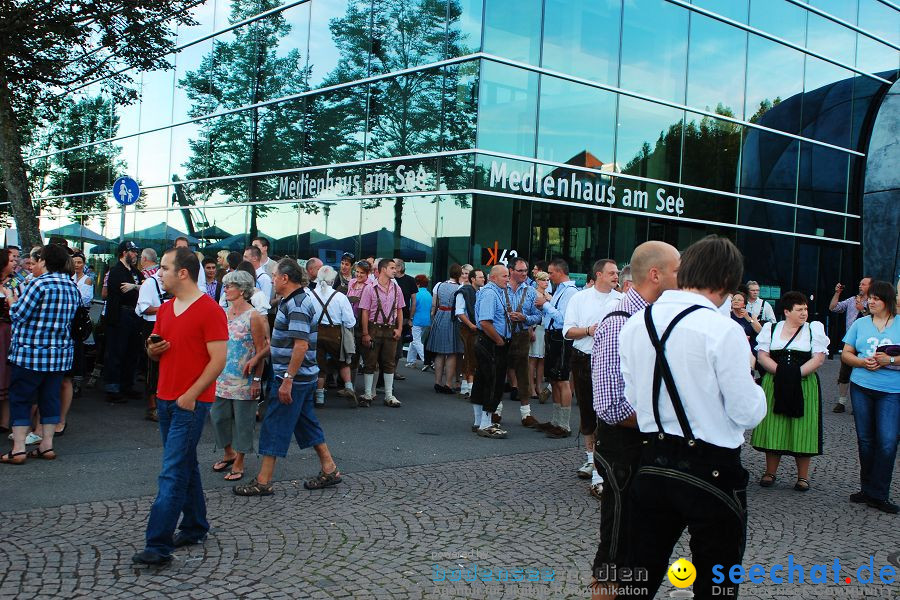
245, 71
52, 46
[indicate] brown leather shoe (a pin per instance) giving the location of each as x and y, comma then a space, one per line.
558, 432
543, 426
495, 418
530, 421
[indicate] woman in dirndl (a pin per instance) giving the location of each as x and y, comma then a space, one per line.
444, 338
790, 352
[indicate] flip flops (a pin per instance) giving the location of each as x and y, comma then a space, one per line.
223, 465
47, 454
11, 458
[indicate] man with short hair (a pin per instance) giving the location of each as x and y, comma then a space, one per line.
40, 352
558, 356
191, 349
312, 268
757, 307
694, 403
464, 311
150, 298
853, 308
213, 287
381, 320
491, 348
625, 279
253, 256
617, 450
408, 286
345, 275
290, 408
266, 261
523, 314
586, 310
122, 326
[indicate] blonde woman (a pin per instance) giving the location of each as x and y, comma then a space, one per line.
536, 352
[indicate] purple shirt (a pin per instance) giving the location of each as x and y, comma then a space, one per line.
609, 386
382, 303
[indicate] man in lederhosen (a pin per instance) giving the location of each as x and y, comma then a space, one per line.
617, 451
464, 311
519, 300
491, 348
381, 319
558, 355
694, 410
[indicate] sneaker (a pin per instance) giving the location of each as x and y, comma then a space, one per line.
839, 408
530, 422
545, 395
410, 365
32, 438
349, 394
859, 498
884, 506
464, 395
365, 401
181, 540
320, 402
426, 368
597, 490
586, 471
151, 559
392, 402
492, 431
496, 419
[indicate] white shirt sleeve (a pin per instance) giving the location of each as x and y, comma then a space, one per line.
348, 319
573, 313
820, 341
260, 301
768, 312
744, 401
460, 305
147, 297
265, 284
764, 338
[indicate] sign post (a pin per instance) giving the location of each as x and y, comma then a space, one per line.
126, 192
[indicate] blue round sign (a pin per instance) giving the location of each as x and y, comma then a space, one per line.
126, 191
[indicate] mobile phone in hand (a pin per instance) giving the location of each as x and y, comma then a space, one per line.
155, 338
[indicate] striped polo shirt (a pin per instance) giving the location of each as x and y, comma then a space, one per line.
295, 320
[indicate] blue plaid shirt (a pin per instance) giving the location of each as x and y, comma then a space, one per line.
41, 320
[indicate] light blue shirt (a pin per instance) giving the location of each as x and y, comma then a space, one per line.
866, 338
489, 306
532, 313
422, 316
555, 308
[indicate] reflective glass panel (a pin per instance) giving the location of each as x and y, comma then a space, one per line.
780, 18
507, 106
831, 39
654, 49
339, 41
711, 153
465, 27
649, 139
733, 9
407, 34
769, 88
512, 29
581, 37
405, 115
577, 123
716, 66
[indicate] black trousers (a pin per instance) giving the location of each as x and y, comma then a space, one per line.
703, 488
123, 348
490, 373
617, 456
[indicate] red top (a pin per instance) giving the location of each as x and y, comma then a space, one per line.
180, 366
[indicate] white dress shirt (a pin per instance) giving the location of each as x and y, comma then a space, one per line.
760, 305
264, 282
587, 308
555, 308
339, 309
258, 300
148, 297
710, 361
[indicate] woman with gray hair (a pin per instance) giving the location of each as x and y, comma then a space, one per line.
333, 313
238, 387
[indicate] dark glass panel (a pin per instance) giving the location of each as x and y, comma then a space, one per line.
648, 140
711, 153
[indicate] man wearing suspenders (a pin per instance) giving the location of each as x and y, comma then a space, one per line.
491, 348
617, 451
693, 405
333, 314
559, 350
381, 318
519, 300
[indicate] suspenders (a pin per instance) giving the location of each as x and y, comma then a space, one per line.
379, 310
663, 373
517, 325
324, 307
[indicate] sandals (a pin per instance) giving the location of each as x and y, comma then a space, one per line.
802, 485
767, 480
42, 454
254, 488
234, 476
11, 458
323, 480
223, 465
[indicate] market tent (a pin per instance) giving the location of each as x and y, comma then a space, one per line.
76, 231
212, 232
161, 234
235, 243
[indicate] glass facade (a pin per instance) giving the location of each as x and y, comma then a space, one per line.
448, 131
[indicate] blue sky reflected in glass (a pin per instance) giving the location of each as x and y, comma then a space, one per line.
654, 49
716, 65
512, 29
574, 119
581, 37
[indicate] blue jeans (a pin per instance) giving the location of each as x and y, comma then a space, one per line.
26, 385
180, 488
877, 416
283, 420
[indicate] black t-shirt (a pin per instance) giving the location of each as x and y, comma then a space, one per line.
408, 287
115, 299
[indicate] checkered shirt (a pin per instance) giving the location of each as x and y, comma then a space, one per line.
41, 321
609, 387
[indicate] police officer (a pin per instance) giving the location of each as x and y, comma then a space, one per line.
491, 348
694, 411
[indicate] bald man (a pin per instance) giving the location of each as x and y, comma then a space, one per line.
492, 352
654, 267
312, 267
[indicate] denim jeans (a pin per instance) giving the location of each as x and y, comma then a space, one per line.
877, 416
180, 488
283, 420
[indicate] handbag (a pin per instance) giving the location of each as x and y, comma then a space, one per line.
81, 325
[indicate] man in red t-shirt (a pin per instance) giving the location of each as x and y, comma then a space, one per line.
189, 341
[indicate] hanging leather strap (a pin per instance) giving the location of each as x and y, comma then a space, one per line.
324, 307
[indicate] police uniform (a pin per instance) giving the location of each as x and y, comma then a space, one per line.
693, 412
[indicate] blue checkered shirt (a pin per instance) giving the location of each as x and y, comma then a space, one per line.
41, 321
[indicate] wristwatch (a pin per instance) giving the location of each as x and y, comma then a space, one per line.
288, 376
892, 360
257, 379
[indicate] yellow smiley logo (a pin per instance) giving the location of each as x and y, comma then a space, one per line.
682, 573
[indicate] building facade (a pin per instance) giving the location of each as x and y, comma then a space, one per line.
448, 131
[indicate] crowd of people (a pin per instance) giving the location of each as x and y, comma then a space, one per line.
247, 338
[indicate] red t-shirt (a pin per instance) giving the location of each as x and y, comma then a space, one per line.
180, 366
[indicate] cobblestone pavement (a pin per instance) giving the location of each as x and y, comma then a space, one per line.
388, 533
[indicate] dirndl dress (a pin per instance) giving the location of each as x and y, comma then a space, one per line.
444, 336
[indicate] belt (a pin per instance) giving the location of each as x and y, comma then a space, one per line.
488, 338
382, 325
127, 307
447, 308
577, 351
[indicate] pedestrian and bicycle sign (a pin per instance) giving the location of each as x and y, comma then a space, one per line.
126, 191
